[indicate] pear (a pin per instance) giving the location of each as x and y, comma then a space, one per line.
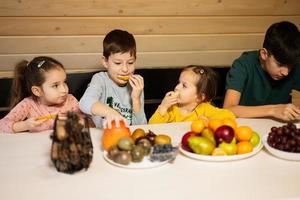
201, 145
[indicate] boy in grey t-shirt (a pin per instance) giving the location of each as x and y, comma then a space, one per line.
118, 93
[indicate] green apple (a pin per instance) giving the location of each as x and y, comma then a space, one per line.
209, 134
201, 145
255, 139
229, 148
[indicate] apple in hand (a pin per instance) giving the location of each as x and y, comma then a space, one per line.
184, 141
224, 133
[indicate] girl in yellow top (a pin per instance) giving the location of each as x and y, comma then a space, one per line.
191, 99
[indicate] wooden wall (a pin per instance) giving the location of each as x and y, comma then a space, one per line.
171, 33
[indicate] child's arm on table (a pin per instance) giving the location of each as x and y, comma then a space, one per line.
286, 112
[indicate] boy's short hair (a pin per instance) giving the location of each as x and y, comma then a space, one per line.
282, 40
119, 41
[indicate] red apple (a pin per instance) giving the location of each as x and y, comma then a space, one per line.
184, 141
224, 133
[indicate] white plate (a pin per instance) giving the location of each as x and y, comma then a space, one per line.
278, 153
222, 158
145, 164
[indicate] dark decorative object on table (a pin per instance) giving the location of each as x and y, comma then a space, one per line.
72, 148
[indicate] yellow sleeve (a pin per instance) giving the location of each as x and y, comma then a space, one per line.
213, 112
157, 118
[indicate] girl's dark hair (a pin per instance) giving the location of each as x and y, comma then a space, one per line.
119, 41
28, 74
207, 82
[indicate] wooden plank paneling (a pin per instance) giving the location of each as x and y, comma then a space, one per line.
137, 25
151, 43
91, 61
148, 8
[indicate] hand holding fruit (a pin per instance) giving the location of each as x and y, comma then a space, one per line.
110, 116
137, 83
169, 100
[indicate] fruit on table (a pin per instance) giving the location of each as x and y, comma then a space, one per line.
224, 133
218, 152
112, 151
198, 125
230, 122
162, 139
163, 152
244, 147
125, 143
151, 136
184, 141
208, 133
137, 154
137, 133
201, 145
111, 136
243, 133
285, 138
229, 148
255, 139
123, 158
145, 143
213, 124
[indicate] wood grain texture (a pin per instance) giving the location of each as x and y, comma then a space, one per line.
91, 61
44, 26
145, 43
148, 8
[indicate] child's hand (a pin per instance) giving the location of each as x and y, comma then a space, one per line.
286, 112
169, 100
137, 83
113, 115
31, 123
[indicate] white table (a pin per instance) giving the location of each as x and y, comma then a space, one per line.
26, 172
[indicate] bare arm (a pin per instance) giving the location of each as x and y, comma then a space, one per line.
108, 113
26, 125
286, 112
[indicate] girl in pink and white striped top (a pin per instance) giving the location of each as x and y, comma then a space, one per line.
39, 93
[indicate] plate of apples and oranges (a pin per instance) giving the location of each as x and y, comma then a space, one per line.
220, 140
139, 150
283, 142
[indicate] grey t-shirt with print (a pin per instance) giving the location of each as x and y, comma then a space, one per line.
103, 89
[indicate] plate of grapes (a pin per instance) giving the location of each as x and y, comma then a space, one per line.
283, 142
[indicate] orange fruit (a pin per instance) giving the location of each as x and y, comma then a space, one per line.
230, 122
244, 147
243, 133
111, 136
198, 125
214, 124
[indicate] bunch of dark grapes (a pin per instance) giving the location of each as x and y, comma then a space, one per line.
285, 138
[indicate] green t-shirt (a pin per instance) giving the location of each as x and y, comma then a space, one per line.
256, 86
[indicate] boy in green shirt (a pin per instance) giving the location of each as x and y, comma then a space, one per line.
259, 83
